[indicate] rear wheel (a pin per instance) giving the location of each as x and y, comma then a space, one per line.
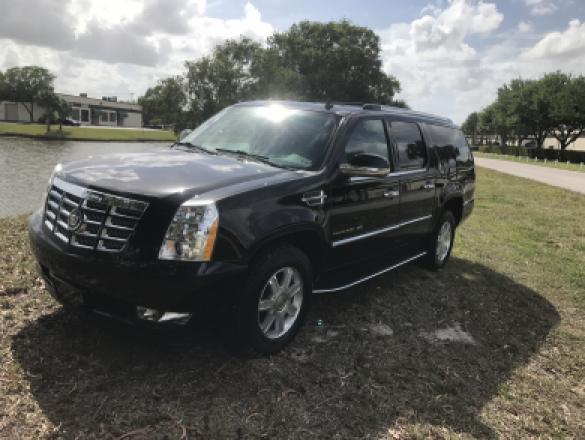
275, 300
441, 241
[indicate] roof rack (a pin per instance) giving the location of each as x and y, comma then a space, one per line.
400, 110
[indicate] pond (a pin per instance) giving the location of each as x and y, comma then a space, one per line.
26, 165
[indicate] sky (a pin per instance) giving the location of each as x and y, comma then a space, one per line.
450, 56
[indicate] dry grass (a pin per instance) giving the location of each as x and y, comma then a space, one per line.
516, 286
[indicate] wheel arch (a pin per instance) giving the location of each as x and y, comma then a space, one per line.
455, 205
307, 238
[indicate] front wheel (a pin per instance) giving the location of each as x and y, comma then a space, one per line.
275, 300
441, 241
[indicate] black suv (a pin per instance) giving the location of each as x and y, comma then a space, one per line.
261, 206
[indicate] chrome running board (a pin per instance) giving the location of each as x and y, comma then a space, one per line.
369, 277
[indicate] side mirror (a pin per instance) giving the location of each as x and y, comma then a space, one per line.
184, 133
366, 165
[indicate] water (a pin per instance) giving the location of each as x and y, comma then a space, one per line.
26, 165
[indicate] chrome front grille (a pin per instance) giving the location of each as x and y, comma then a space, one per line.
90, 219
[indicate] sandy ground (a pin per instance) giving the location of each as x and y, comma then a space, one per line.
571, 180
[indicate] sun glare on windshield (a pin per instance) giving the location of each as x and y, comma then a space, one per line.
275, 112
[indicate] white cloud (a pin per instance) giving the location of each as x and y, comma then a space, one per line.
443, 72
542, 7
525, 27
114, 47
433, 59
560, 45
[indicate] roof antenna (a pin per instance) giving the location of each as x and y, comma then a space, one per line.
328, 104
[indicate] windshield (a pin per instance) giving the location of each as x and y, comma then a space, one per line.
286, 137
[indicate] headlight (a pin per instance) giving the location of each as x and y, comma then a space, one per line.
191, 234
57, 168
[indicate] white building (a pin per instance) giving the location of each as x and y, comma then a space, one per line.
88, 111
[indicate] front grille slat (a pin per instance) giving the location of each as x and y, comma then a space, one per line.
103, 222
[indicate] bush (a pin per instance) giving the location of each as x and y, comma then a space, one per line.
544, 153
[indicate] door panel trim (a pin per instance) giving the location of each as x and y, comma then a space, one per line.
369, 277
379, 231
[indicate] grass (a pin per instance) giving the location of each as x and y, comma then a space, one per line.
540, 162
516, 285
83, 133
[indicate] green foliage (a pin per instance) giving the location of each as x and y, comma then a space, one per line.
164, 103
311, 61
471, 126
26, 85
536, 109
223, 78
335, 60
567, 110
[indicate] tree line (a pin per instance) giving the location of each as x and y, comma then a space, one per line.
534, 109
30, 85
311, 61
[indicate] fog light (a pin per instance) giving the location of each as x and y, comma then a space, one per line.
153, 315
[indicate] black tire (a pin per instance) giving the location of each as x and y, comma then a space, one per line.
249, 335
436, 259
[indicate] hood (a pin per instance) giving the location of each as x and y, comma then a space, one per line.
166, 172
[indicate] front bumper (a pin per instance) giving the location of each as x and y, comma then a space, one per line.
72, 275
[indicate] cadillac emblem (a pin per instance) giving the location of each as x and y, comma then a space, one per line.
74, 221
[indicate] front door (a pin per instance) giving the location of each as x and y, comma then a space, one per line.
417, 182
363, 210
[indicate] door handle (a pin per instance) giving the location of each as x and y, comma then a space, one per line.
429, 185
391, 193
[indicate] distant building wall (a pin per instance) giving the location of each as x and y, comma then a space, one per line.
133, 120
578, 145
16, 112
89, 111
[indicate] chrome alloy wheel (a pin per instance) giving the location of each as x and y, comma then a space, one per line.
280, 302
444, 241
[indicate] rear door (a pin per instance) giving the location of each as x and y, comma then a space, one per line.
416, 179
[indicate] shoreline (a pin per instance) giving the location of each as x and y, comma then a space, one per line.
78, 139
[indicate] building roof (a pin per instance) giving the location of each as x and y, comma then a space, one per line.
343, 109
76, 99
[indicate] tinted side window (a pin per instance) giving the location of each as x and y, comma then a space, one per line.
368, 136
450, 145
461, 147
412, 153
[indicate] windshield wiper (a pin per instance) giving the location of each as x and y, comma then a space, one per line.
242, 153
191, 145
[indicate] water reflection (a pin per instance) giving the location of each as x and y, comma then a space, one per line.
26, 164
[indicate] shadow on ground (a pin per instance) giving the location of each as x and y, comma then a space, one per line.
344, 379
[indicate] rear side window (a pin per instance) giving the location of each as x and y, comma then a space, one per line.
412, 153
450, 144
461, 147
368, 136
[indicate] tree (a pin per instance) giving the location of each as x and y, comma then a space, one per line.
491, 121
567, 107
63, 110
49, 102
223, 78
164, 103
3, 93
54, 105
311, 61
27, 85
335, 60
471, 125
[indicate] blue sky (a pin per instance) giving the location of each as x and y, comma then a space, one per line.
379, 14
449, 55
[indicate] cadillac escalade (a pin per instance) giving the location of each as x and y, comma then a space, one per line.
259, 208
